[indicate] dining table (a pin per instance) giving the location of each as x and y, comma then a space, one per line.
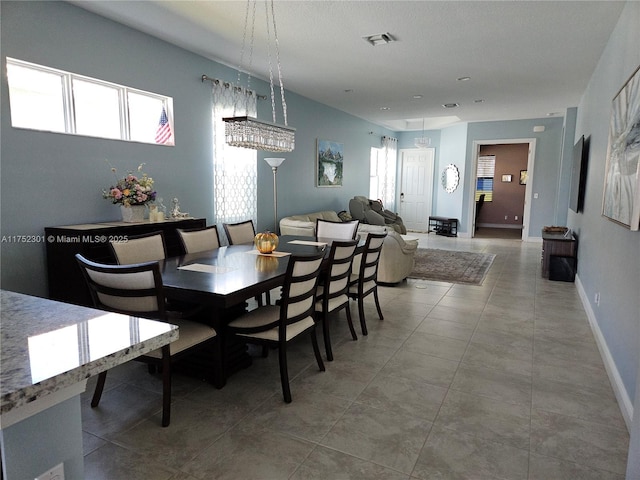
222, 280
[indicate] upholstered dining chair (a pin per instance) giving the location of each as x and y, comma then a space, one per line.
136, 290
276, 325
363, 281
331, 294
340, 230
140, 248
199, 239
242, 232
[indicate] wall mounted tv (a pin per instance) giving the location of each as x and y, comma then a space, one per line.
579, 174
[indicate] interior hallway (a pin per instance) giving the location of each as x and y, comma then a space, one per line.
499, 381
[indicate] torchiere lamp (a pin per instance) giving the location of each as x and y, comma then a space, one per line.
275, 163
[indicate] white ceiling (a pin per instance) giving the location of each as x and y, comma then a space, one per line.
525, 59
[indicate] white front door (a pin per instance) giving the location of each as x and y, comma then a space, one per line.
416, 187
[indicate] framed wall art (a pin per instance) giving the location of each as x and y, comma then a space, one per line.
621, 198
329, 159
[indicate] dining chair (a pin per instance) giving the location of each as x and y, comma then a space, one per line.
139, 248
150, 247
242, 232
364, 281
331, 294
196, 240
276, 325
339, 230
137, 290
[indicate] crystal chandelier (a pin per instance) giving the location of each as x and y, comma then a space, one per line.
422, 142
249, 132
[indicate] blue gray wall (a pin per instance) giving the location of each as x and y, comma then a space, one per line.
609, 255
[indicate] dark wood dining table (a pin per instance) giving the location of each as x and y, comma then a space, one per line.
222, 280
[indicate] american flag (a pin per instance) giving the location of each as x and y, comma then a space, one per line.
163, 134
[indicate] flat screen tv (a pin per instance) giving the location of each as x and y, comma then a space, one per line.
579, 174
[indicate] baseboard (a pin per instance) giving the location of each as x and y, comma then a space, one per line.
624, 401
499, 225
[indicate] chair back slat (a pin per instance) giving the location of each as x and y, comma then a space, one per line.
129, 289
339, 230
298, 290
242, 232
368, 271
336, 278
199, 239
140, 249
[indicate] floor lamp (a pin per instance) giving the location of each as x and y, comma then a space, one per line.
275, 163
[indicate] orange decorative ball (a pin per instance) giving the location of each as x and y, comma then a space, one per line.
266, 242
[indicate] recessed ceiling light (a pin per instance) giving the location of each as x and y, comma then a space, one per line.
379, 39
463, 79
478, 101
385, 108
417, 97
451, 105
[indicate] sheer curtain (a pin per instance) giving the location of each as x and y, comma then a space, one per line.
387, 172
234, 168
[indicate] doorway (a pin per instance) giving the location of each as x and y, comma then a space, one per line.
416, 187
511, 184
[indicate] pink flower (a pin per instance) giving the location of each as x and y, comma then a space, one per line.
116, 193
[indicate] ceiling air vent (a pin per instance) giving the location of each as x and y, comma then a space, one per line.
379, 39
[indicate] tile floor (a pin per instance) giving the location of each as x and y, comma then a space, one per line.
499, 381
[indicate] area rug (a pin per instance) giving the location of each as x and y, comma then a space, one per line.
450, 266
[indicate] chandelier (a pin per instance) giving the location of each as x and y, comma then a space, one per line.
249, 132
422, 142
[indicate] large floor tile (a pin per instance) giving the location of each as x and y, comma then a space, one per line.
248, 451
486, 418
496, 384
387, 437
546, 468
579, 441
442, 347
325, 463
594, 405
415, 398
451, 455
445, 328
421, 368
499, 357
111, 462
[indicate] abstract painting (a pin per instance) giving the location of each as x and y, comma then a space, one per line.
621, 199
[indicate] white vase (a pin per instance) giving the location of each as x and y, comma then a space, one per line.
132, 213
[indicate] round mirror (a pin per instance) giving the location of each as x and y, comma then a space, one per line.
450, 178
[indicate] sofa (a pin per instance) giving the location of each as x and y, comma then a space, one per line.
398, 251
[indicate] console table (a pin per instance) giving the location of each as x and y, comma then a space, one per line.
66, 283
559, 246
443, 226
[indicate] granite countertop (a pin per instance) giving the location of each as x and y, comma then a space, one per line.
46, 346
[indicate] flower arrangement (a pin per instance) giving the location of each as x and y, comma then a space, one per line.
132, 189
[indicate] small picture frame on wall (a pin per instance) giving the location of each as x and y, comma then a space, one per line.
524, 175
507, 178
329, 159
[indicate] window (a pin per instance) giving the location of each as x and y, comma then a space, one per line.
374, 178
46, 99
484, 177
382, 172
235, 170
